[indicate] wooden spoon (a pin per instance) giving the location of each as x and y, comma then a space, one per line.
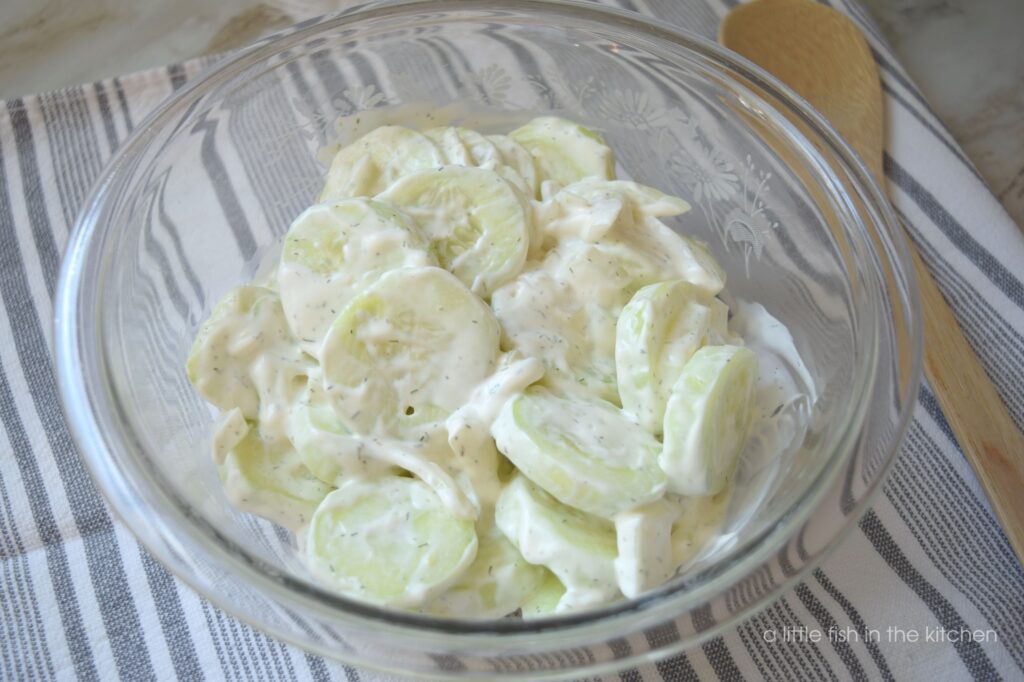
820, 53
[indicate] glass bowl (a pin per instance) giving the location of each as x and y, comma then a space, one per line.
200, 194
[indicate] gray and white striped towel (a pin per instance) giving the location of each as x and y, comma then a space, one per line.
80, 598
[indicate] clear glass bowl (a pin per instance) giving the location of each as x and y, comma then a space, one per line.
206, 185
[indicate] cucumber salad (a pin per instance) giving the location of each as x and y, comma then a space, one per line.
485, 378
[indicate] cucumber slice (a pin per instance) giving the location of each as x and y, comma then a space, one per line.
564, 151
477, 223
542, 318
374, 161
644, 537
270, 480
547, 318
569, 215
465, 147
590, 208
495, 584
707, 418
389, 541
515, 157
454, 151
245, 356
333, 251
564, 313
578, 548
329, 450
660, 328
407, 352
586, 454
545, 598
606, 273
677, 256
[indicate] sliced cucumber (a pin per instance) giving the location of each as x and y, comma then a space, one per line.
590, 208
465, 147
245, 356
546, 319
453, 150
374, 161
497, 582
329, 450
569, 214
607, 273
515, 156
544, 600
586, 454
406, 352
271, 480
388, 541
333, 251
477, 223
564, 151
564, 313
578, 548
660, 328
678, 256
644, 536
707, 418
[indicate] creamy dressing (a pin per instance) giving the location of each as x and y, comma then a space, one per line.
785, 392
228, 431
433, 376
469, 427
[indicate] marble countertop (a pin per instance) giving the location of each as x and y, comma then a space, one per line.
964, 55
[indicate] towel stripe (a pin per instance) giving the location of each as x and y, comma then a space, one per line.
970, 652
28, 466
102, 552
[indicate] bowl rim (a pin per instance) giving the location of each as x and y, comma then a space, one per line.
666, 602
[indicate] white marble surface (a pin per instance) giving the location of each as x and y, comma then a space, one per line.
964, 54
967, 58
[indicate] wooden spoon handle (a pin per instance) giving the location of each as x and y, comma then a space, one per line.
980, 420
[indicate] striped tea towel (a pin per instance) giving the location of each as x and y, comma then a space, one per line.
79, 598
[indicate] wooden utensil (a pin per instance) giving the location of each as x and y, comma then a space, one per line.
820, 53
